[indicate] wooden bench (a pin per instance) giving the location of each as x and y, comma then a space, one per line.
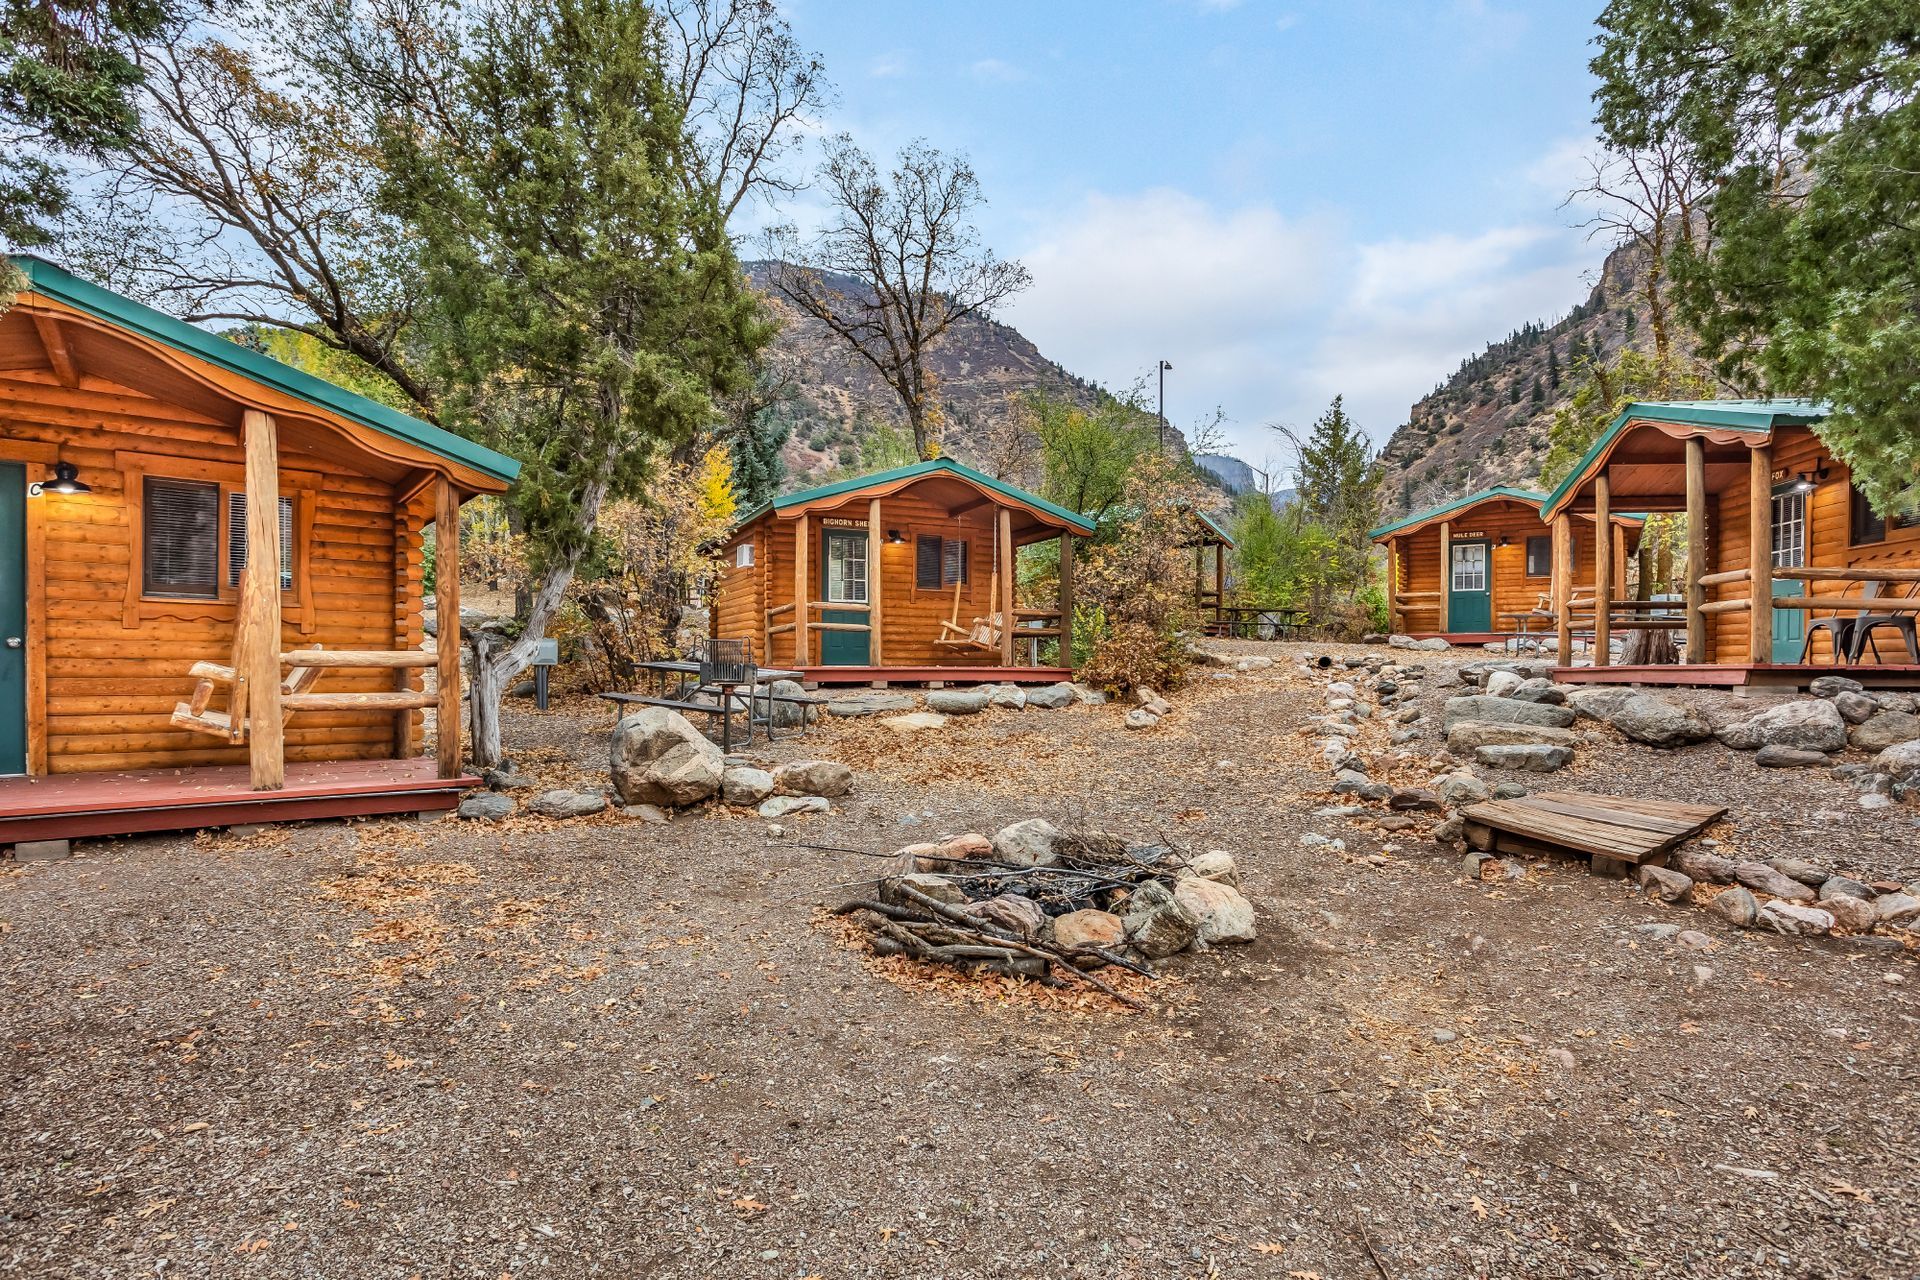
1617, 834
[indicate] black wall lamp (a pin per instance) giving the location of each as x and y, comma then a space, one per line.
66, 479
896, 537
1808, 479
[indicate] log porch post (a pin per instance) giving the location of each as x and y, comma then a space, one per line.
258, 629
1562, 588
1219, 581
875, 540
1760, 554
446, 600
1005, 603
1395, 617
1066, 598
1446, 570
1696, 548
802, 530
1602, 570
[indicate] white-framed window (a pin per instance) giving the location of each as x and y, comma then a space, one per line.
743, 556
1790, 528
1470, 566
846, 569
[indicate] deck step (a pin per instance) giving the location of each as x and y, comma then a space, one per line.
1602, 827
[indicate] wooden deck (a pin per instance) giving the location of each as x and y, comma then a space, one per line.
936, 675
1606, 828
73, 805
1743, 675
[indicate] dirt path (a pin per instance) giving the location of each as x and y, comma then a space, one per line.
607, 1048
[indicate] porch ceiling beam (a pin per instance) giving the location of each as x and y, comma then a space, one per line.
1631, 502
974, 505
59, 354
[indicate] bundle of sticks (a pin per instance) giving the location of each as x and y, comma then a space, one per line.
919, 926
999, 927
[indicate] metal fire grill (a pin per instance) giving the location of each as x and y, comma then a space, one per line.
728, 663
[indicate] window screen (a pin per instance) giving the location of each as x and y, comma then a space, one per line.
237, 540
953, 563
180, 531
743, 556
1540, 557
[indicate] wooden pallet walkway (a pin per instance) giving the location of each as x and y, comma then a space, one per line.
1617, 834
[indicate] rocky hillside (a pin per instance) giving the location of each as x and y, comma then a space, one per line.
1487, 424
836, 397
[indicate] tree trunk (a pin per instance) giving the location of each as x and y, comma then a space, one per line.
494, 665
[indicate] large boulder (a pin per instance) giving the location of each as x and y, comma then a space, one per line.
1834, 686
1795, 920
1528, 759
1659, 722
744, 785
1884, 729
1157, 924
1736, 906
959, 702
1855, 915
1027, 844
1598, 702
1809, 724
1052, 697
1763, 878
813, 778
1089, 928
657, 757
1902, 761
790, 715
1491, 710
1709, 868
486, 806
937, 887
1665, 884
1467, 736
1854, 708
869, 704
1223, 913
563, 803
1009, 697
1013, 913
1214, 864
1503, 684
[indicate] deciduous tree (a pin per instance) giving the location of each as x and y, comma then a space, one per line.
896, 265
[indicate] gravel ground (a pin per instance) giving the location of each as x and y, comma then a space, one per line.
610, 1048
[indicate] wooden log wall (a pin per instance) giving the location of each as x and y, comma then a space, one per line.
113, 679
1829, 543
912, 616
1513, 590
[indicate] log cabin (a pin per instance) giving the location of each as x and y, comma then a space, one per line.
211, 579
1772, 516
1481, 568
903, 576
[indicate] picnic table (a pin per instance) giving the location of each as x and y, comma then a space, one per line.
684, 675
1243, 621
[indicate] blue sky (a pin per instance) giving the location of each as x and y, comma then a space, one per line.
1284, 198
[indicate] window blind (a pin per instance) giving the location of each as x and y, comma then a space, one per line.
237, 540
926, 564
953, 568
179, 533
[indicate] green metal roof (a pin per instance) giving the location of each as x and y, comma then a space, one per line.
1472, 499
914, 471
1757, 416
1214, 525
45, 278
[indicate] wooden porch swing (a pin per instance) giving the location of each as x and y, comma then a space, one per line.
984, 633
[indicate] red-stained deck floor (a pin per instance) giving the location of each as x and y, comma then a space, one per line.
70, 805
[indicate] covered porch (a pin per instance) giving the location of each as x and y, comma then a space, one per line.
907, 576
1784, 563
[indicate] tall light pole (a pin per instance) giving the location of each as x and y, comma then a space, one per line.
1164, 366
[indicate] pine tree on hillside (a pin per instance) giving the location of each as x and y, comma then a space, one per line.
1553, 368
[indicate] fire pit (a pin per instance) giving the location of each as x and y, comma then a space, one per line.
1050, 906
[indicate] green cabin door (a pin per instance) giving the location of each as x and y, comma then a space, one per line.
845, 582
1470, 589
1789, 552
13, 618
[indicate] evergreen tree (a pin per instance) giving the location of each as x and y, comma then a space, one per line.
1804, 116
65, 84
1539, 392
1339, 486
587, 307
1553, 367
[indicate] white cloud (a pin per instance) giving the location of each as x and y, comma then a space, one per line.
890, 65
1286, 22
1269, 316
996, 69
